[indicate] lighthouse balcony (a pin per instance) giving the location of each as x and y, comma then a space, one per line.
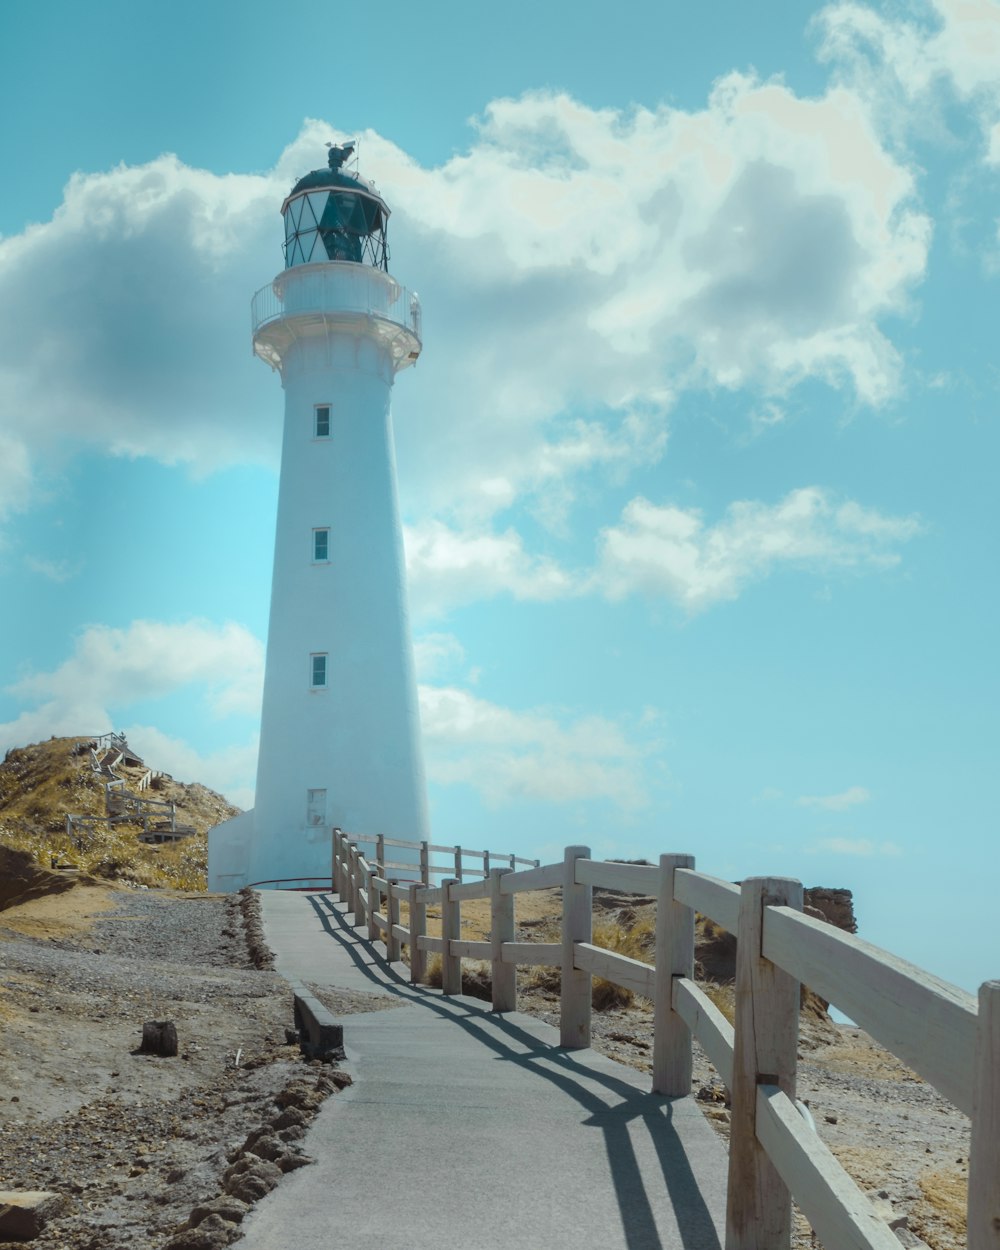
334, 296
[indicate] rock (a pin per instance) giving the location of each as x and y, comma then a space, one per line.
211, 1234
250, 1178
267, 1147
290, 1117
289, 1162
228, 1207
24, 1213
906, 1238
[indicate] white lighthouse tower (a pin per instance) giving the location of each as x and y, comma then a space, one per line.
340, 732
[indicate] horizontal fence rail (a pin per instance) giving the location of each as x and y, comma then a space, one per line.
941, 1032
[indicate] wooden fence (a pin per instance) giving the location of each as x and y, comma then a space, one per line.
939, 1031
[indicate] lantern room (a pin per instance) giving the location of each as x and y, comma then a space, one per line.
333, 214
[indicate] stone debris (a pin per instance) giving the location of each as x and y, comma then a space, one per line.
24, 1213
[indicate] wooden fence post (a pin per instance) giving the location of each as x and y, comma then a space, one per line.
418, 928
373, 932
984, 1154
451, 931
486, 864
392, 952
353, 884
458, 862
758, 1204
425, 864
502, 930
577, 926
380, 853
674, 958
338, 883
333, 861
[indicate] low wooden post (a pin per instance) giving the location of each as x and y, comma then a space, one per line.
577, 926
341, 865
502, 930
380, 853
458, 862
364, 908
984, 1153
425, 864
758, 1204
486, 864
392, 953
674, 958
334, 862
451, 931
352, 883
513, 864
373, 901
418, 928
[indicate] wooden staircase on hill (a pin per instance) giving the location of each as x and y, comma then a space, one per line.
158, 817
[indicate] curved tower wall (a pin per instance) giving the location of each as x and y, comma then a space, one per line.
358, 736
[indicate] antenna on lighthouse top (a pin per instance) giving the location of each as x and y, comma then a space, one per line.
338, 154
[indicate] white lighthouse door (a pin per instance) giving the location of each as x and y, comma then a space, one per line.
316, 808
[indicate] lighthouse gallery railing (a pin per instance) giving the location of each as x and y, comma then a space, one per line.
385, 298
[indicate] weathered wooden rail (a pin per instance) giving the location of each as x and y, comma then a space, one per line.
939, 1031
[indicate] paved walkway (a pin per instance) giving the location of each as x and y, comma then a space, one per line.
475, 1130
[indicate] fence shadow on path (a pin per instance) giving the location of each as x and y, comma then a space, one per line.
612, 1115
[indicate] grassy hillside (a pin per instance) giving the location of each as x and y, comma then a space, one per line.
41, 783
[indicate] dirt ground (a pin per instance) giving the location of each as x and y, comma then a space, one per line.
136, 1143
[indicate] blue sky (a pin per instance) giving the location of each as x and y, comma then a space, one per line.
697, 467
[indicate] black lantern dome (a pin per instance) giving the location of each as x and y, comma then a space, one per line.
332, 214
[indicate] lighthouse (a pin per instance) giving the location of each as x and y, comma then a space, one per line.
340, 731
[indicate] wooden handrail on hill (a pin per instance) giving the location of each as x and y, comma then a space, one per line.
938, 1030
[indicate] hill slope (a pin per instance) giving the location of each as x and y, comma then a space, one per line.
41, 784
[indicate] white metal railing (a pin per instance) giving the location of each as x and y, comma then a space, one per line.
940, 1031
336, 287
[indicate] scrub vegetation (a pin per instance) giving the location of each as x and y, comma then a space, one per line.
42, 783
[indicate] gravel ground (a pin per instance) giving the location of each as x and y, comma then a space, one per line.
135, 1142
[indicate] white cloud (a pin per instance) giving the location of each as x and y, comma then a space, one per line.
667, 550
118, 668
941, 47
659, 550
231, 772
113, 670
54, 570
577, 266
837, 802
540, 755
447, 567
864, 848
437, 655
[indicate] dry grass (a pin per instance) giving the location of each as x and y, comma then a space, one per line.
41, 783
636, 942
940, 1215
724, 998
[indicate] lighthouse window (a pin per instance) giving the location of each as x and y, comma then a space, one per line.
321, 546
318, 671
322, 420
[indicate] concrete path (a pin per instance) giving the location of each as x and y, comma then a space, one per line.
469, 1129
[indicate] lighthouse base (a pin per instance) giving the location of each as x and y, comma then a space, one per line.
239, 855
